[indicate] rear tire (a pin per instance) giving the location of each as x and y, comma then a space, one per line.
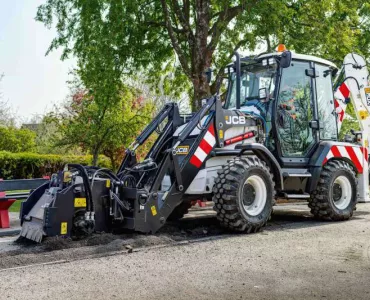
335, 197
244, 193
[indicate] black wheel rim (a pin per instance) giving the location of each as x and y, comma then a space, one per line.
337, 192
249, 194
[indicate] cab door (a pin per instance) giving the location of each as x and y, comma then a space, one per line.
295, 111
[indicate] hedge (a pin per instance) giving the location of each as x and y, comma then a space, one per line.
32, 165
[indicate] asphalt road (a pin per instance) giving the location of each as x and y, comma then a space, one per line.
294, 258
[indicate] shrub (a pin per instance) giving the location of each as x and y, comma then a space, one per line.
31, 165
17, 140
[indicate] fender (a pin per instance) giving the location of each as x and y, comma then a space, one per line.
355, 155
265, 155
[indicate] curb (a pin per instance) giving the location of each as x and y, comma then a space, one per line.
9, 232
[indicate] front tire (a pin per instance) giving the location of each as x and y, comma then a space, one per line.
335, 197
244, 193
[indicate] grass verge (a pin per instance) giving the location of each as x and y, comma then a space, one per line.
16, 207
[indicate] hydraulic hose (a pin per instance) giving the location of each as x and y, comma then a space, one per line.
107, 172
85, 177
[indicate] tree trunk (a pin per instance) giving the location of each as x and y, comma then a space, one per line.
195, 38
201, 91
201, 63
268, 43
201, 54
95, 157
113, 161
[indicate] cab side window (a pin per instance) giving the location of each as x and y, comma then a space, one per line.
325, 103
294, 111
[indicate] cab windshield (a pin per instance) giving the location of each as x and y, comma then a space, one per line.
253, 78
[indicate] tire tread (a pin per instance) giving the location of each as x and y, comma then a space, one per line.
228, 212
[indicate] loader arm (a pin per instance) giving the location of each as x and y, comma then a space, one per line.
159, 204
170, 112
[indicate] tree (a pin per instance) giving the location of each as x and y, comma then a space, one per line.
99, 128
13, 139
115, 37
47, 133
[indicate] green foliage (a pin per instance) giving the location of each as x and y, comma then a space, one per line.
46, 135
101, 127
32, 165
111, 38
350, 122
347, 125
17, 140
16, 206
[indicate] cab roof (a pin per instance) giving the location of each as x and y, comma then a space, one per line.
302, 57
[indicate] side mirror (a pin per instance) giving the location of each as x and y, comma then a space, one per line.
311, 73
286, 59
314, 124
262, 94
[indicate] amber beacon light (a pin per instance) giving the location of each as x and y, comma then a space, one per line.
281, 48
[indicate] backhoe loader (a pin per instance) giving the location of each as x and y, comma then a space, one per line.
274, 135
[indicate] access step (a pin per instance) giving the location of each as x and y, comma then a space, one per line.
297, 196
296, 173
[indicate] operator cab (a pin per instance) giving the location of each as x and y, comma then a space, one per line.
293, 97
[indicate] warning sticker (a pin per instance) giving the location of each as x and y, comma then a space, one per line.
107, 183
154, 210
221, 134
63, 228
363, 114
67, 176
367, 95
80, 202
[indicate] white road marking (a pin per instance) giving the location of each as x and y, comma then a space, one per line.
7, 240
35, 265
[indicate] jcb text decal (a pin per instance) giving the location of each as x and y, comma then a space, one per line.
235, 120
182, 150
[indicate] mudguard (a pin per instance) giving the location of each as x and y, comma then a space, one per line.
355, 155
265, 155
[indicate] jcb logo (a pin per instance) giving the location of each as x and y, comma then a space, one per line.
235, 120
182, 150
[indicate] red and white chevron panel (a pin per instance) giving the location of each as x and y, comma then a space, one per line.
340, 96
342, 92
205, 146
339, 108
355, 154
